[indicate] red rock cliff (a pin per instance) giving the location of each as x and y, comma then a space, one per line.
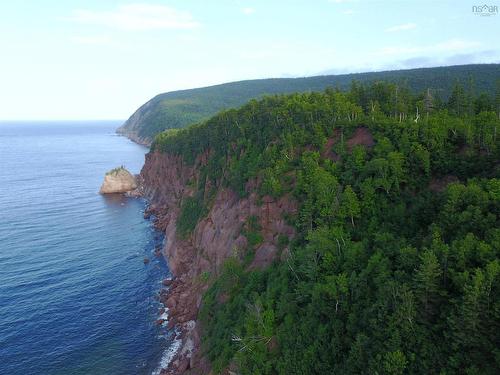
165, 179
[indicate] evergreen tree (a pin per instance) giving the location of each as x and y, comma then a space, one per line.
427, 278
457, 103
350, 204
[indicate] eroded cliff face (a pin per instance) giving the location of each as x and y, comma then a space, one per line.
216, 237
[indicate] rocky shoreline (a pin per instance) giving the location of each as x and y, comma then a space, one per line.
165, 180
180, 315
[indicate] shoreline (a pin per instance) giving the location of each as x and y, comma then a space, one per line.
132, 136
175, 358
164, 182
165, 318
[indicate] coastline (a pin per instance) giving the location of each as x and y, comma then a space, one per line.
164, 316
134, 137
164, 182
176, 358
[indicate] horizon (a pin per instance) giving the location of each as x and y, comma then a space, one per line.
87, 60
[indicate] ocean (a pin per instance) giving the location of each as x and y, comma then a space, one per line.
75, 294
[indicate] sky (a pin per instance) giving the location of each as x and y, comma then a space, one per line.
100, 59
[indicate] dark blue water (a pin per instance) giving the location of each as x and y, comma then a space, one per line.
75, 295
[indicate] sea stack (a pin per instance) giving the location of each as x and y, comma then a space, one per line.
118, 180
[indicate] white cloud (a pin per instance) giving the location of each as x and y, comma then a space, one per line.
97, 40
457, 45
348, 12
403, 27
452, 45
341, 1
248, 11
137, 17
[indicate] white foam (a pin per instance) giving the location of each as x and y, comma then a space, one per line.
168, 355
164, 316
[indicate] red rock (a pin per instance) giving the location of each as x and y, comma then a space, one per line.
166, 181
328, 153
171, 324
264, 256
183, 365
362, 136
171, 302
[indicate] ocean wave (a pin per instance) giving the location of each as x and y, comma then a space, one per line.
167, 356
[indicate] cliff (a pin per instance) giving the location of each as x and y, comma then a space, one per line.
216, 237
381, 215
118, 180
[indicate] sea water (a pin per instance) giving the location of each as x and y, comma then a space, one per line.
76, 296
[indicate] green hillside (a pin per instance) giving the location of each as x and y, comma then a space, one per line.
395, 267
180, 108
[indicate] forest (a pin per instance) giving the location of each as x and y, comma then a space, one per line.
179, 109
394, 268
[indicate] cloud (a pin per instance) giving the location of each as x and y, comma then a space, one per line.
421, 61
403, 27
348, 12
96, 40
452, 45
456, 45
479, 57
341, 1
137, 17
248, 11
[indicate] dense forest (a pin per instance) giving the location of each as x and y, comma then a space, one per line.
179, 109
395, 265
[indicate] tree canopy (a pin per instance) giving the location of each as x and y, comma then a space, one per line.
395, 266
179, 109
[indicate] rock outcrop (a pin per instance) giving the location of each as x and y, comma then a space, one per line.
218, 236
118, 180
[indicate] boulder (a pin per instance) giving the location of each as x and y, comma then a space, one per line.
118, 180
